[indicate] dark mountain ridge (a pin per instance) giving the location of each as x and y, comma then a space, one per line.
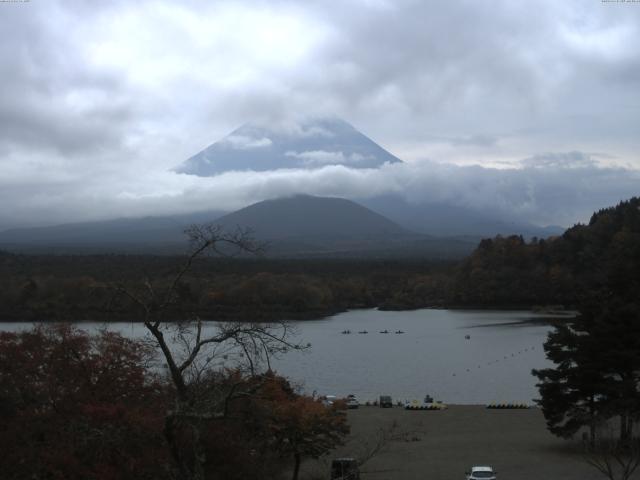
303, 216
308, 226
298, 226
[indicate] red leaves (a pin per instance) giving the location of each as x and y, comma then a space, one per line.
75, 406
296, 424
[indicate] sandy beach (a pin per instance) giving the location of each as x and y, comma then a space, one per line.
442, 445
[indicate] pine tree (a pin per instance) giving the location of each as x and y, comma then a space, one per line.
597, 373
571, 393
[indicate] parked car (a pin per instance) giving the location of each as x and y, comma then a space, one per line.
345, 469
481, 473
352, 401
385, 401
329, 400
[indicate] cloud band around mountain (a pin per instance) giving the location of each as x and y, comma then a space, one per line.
545, 194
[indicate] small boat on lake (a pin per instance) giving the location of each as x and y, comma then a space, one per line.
384, 331
399, 332
363, 331
346, 332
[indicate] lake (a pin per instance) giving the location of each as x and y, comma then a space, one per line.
432, 356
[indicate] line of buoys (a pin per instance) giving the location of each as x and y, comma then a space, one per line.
506, 357
510, 406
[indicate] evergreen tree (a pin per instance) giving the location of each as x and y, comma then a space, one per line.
615, 325
597, 373
571, 393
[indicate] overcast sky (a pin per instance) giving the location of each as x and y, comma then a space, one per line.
531, 108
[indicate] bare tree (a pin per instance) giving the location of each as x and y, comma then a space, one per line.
372, 446
193, 351
613, 458
366, 448
378, 443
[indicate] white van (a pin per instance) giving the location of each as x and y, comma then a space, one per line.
481, 473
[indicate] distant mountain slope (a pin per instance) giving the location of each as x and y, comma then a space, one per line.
307, 226
299, 226
312, 144
109, 235
444, 220
312, 217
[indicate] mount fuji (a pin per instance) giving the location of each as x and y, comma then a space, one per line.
306, 145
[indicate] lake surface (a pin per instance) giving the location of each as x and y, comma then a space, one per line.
432, 356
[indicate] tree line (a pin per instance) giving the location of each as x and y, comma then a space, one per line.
79, 288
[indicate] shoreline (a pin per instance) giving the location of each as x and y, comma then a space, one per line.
317, 316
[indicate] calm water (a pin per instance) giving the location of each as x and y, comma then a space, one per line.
431, 356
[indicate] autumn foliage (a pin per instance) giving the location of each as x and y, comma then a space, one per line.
75, 406
286, 427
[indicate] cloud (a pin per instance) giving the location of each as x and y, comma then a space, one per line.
51, 100
242, 142
314, 131
80, 80
296, 125
544, 194
561, 160
99, 101
323, 157
476, 140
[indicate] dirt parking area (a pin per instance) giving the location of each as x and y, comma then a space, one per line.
442, 445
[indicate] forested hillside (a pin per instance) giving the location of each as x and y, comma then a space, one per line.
561, 270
